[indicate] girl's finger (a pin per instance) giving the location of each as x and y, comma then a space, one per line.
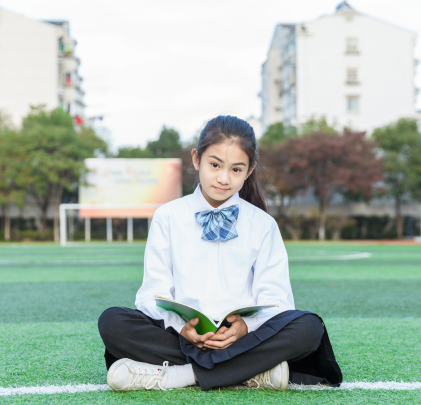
219, 345
221, 330
232, 318
218, 337
206, 336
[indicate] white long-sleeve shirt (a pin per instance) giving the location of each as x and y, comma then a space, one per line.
214, 277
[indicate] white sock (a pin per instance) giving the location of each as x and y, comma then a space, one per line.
179, 377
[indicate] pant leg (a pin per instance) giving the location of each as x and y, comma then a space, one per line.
128, 333
295, 341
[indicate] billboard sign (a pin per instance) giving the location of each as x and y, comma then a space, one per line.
129, 181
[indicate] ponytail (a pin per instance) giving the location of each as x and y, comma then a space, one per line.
252, 191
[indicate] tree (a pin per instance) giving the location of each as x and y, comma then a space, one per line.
13, 176
55, 156
314, 125
400, 144
276, 134
133, 152
330, 164
276, 181
167, 145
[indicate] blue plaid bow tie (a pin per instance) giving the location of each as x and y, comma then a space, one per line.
218, 224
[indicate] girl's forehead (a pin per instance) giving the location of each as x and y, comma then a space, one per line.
227, 149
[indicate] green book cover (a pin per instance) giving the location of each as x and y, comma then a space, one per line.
206, 324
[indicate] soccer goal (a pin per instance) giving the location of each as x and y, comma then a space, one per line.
84, 212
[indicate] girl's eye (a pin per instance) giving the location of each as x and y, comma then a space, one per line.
214, 165
238, 170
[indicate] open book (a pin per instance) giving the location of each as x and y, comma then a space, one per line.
206, 324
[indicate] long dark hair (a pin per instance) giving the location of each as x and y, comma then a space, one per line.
225, 127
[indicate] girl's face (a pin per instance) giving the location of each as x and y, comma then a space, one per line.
223, 169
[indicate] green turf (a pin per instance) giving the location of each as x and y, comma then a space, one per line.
59, 353
85, 301
222, 397
51, 298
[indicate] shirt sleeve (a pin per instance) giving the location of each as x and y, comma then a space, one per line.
158, 275
271, 283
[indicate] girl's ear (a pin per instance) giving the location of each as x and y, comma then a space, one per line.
251, 170
195, 158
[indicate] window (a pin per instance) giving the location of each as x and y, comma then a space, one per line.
68, 79
351, 76
352, 103
352, 46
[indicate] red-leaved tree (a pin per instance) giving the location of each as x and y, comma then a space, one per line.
330, 164
277, 183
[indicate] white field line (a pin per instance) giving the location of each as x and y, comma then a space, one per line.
54, 389
349, 256
362, 385
73, 389
44, 262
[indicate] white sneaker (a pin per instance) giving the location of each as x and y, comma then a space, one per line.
275, 379
127, 375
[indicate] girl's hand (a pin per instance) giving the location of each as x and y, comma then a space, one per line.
189, 333
225, 337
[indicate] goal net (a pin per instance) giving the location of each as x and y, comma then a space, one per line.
86, 222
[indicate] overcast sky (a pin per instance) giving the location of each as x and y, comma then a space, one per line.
180, 62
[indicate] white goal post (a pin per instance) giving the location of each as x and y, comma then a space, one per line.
68, 207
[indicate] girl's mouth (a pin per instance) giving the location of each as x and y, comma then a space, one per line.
220, 190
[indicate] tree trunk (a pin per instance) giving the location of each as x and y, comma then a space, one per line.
399, 223
44, 209
280, 213
44, 219
322, 222
295, 233
57, 214
7, 221
336, 234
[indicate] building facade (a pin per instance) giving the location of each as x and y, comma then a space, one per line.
38, 66
354, 69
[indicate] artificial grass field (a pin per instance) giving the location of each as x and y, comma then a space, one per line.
51, 298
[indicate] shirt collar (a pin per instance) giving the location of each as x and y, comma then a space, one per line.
201, 203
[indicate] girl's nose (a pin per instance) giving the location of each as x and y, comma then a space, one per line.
223, 178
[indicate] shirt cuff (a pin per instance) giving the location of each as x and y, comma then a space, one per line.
172, 319
251, 322
178, 327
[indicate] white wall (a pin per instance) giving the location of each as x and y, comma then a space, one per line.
270, 94
28, 64
385, 69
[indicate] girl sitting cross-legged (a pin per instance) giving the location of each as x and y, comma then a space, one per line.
214, 250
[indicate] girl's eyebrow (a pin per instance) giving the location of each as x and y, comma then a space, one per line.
234, 164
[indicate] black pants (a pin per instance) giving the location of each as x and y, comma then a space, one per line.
128, 333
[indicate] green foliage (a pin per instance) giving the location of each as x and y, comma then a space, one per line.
276, 134
314, 125
13, 171
400, 144
133, 152
54, 153
167, 145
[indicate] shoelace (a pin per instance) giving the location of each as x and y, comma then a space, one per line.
153, 380
264, 379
